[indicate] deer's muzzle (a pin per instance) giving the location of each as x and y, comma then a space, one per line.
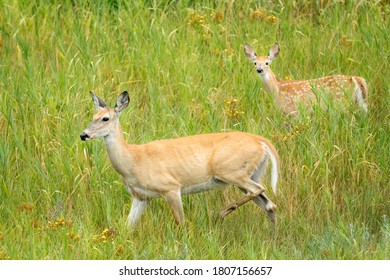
84, 136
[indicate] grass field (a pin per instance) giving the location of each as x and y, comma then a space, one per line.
185, 69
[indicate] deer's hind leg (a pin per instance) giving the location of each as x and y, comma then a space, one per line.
262, 200
252, 165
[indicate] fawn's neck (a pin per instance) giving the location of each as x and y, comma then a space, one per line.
270, 82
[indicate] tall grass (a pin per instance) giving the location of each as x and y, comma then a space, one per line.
184, 65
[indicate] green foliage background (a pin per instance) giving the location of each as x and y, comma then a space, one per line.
184, 66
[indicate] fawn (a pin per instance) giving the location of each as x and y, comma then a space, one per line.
289, 94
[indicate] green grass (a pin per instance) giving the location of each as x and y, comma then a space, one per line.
182, 63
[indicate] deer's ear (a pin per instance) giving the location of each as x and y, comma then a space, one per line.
122, 102
274, 51
250, 52
99, 104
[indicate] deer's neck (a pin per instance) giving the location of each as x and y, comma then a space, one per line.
119, 152
270, 82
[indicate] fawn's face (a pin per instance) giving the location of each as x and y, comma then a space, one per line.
262, 63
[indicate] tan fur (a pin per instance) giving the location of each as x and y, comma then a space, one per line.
289, 95
170, 168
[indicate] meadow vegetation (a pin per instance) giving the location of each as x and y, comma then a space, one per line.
185, 69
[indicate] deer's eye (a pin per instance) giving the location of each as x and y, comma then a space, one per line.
255, 63
266, 63
105, 119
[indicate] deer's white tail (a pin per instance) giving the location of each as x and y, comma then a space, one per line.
275, 165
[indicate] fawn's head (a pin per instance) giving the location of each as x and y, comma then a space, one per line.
262, 63
105, 121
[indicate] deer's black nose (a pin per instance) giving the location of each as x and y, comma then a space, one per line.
84, 136
259, 70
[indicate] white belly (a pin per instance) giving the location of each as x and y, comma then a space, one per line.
142, 192
207, 186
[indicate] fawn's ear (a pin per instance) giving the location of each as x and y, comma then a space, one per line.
122, 102
274, 51
99, 104
250, 52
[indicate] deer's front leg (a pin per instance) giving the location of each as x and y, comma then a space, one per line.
137, 208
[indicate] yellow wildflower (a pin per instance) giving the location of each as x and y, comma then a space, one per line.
73, 236
105, 235
258, 14
217, 16
195, 19
272, 19
231, 108
119, 250
344, 41
229, 51
34, 223
27, 207
60, 222
3, 255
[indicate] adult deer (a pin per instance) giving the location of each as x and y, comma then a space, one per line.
187, 165
289, 94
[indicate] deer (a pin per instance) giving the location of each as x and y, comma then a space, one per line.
170, 168
290, 94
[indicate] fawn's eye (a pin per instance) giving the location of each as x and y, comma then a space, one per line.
266, 63
105, 119
255, 63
